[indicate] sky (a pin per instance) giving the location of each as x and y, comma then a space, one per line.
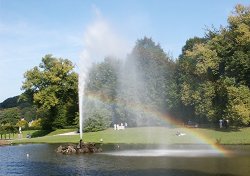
30, 29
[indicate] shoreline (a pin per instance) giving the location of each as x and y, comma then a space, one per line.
4, 142
119, 143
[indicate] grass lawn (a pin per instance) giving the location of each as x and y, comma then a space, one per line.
150, 135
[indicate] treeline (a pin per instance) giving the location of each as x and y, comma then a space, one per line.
21, 107
12, 113
209, 81
133, 90
213, 74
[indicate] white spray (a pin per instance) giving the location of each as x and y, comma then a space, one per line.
99, 41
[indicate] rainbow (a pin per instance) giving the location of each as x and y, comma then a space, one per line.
201, 138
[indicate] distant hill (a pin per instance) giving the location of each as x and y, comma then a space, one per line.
9, 103
13, 102
27, 110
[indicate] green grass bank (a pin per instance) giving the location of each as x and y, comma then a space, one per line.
146, 135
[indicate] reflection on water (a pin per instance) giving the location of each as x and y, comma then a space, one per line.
43, 160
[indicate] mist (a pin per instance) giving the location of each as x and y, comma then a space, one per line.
100, 40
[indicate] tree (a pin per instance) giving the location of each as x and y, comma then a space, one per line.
8, 119
238, 107
238, 38
53, 88
101, 85
97, 116
146, 80
36, 124
22, 124
102, 79
213, 77
10, 115
29, 113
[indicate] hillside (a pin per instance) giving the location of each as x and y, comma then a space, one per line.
14, 105
9, 102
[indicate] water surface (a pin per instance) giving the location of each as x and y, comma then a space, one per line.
180, 160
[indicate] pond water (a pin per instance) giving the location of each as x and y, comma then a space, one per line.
122, 160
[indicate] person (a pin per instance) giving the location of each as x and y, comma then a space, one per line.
20, 136
225, 123
180, 134
220, 122
122, 127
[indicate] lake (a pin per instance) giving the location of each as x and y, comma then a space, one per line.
125, 160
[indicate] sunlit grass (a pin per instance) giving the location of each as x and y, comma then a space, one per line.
237, 136
147, 135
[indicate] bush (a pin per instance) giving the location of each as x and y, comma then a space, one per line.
98, 116
36, 124
97, 122
40, 133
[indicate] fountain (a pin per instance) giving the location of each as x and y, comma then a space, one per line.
134, 90
100, 41
81, 86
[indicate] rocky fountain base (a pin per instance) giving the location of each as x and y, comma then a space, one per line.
80, 148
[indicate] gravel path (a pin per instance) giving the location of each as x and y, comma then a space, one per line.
66, 134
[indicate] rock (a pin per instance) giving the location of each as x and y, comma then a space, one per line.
71, 149
59, 149
80, 148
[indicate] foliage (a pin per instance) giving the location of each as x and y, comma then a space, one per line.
146, 82
214, 72
36, 124
10, 116
209, 81
22, 123
102, 80
8, 119
101, 91
9, 103
238, 107
25, 108
97, 116
29, 113
53, 88
155, 71
39, 133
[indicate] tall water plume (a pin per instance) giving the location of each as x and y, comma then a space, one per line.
100, 41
